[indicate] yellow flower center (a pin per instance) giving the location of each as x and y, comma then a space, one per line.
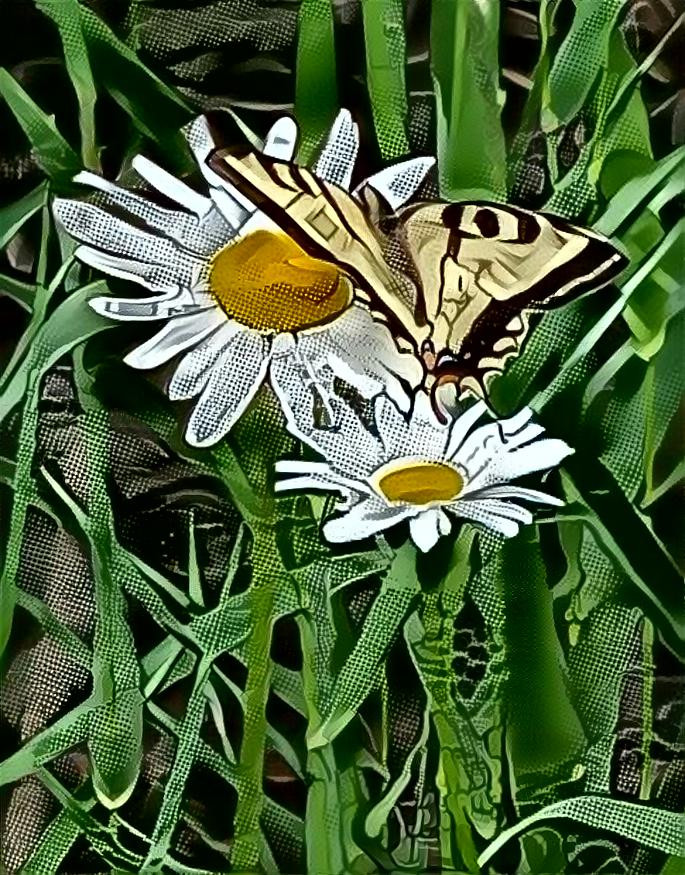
268, 282
419, 482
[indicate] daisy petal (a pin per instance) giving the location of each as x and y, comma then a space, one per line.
296, 386
505, 509
515, 423
398, 183
517, 492
363, 352
368, 517
475, 511
173, 304
281, 140
177, 335
336, 161
503, 466
171, 187
199, 236
195, 368
201, 142
232, 385
155, 277
321, 472
309, 484
424, 529
444, 523
232, 208
462, 426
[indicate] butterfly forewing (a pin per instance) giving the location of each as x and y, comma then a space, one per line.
325, 221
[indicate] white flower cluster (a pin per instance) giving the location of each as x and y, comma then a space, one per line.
241, 304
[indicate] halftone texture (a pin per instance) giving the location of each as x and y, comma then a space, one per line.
431, 677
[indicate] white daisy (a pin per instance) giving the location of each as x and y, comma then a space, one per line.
422, 470
238, 297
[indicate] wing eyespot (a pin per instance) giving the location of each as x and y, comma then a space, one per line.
487, 222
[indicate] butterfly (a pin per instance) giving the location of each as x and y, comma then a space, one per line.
457, 281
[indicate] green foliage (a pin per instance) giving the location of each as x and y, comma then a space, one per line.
493, 777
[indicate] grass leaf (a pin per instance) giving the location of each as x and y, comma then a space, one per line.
316, 88
465, 66
67, 16
385, 43
53, 153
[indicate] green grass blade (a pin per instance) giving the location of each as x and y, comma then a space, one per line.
581, 59
66, 15
628, 543
155, 109
385, 42
14, 215
654, 827
316, 88
356, 678
23, 293
53, 153
465, 66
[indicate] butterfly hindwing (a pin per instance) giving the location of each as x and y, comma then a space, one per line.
481, 268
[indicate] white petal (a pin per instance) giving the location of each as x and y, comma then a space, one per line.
232, 385
504, 509
517, 492
474, 510
179, 302
195, 368
393, 428
96, 227
515, 423
444, 523
200, 236
177, 335
502, 466
424, 529
171, 187
155, 277
296, 385
322, 473
338, 157
362, 351
310, 484
398, 183
367, 518
420, 436
462, 425
302, 466
233, 211
281, 140
201, 143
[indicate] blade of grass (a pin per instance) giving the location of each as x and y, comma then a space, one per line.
156, 109
66, 15
14, 215
398, 591
654, 827
23, 293
385, 43
464, 44
53, 153
316, 88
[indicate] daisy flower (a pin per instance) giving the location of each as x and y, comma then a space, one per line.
424, 471
239, 300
